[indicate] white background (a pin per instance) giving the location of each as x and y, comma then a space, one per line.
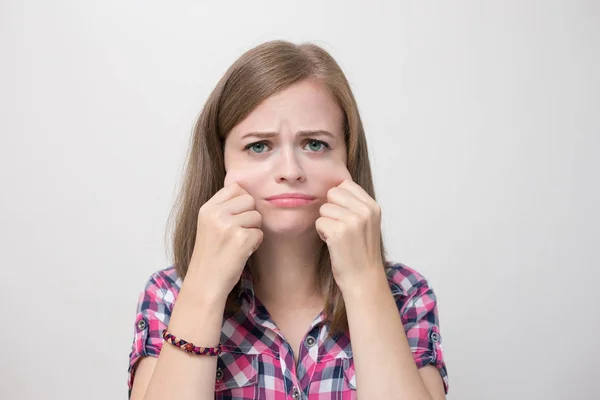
483, 125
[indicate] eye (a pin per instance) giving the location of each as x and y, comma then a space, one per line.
316, 145
257, 147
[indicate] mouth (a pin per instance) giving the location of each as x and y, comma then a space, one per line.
289, 200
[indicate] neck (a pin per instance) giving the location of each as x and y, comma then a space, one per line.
287, 269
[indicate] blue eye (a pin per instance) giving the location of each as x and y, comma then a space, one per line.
258, 147
312, 143
316, 146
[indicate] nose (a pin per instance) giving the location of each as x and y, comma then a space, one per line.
288, 168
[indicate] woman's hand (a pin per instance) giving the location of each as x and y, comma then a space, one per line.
350, 224
228, 233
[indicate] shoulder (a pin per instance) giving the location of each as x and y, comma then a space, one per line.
162, 285
404, 280
417, 304
166, 278
412, 292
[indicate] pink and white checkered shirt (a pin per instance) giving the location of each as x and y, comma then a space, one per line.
257, 362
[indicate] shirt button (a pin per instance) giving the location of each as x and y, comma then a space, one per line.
219, 374
310, 341
435, 337
296, 394
141, 324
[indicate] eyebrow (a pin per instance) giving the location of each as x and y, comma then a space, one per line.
268, 135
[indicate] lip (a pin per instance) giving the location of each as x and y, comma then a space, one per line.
291, 200
301, 196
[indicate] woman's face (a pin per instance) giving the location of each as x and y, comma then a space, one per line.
293, 142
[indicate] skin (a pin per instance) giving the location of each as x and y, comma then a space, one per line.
343, 215
289, 161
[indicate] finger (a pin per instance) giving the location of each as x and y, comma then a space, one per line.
228, 192
341, 196
239, 204
248, 219
334, 211
325, 227
256, 238
357, 191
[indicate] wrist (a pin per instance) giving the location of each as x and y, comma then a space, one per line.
201, 286
197, 316
202, 293
365, 285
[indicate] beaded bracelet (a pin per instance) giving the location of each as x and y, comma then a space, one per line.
190, 347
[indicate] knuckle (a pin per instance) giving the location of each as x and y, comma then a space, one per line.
227, 225
203, 210
341, 229
377, 210
331, 192
220, 215
323, 208
240, 236
250, 200
365, 211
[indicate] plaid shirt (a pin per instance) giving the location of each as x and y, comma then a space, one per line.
258, 363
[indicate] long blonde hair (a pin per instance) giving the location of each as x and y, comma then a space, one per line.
255, 76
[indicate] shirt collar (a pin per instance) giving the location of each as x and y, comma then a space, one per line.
247, 293
247, 288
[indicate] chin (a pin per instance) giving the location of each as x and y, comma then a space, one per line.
288, 226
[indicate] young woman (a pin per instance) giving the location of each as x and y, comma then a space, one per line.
279, 266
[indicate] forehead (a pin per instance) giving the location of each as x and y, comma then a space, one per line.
307, 105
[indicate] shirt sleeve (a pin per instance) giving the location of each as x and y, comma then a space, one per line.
152, 316
419, 315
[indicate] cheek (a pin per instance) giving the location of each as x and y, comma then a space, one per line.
247, 178
333, 175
